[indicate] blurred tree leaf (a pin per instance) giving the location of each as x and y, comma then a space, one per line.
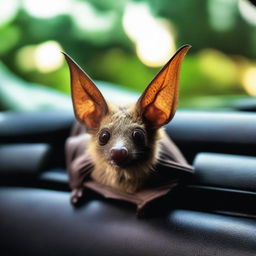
10, 36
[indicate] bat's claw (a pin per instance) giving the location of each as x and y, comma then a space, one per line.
76, 195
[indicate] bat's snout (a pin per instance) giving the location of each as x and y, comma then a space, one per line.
119, 155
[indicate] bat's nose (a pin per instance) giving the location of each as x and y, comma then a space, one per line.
119, 155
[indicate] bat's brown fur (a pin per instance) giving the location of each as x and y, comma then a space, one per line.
121, 121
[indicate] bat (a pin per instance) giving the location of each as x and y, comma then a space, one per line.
123, 142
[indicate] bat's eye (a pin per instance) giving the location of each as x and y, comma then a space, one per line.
104, 137
138, 136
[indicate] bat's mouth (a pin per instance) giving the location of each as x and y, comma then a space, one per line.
129, 161
121, 165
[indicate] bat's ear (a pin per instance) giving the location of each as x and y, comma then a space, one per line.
158, 103
89, 104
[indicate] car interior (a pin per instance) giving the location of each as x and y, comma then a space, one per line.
211, 213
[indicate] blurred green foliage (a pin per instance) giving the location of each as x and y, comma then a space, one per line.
93, 33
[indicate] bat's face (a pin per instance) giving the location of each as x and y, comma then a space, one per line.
123, 139
123, 143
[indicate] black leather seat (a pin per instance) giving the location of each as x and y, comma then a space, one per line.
213, 214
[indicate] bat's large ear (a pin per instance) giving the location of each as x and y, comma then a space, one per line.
158, 103
89, 104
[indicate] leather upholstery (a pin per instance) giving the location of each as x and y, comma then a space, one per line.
44, 126
42, 222
219, 132
23, 158
212, 215
226, 171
